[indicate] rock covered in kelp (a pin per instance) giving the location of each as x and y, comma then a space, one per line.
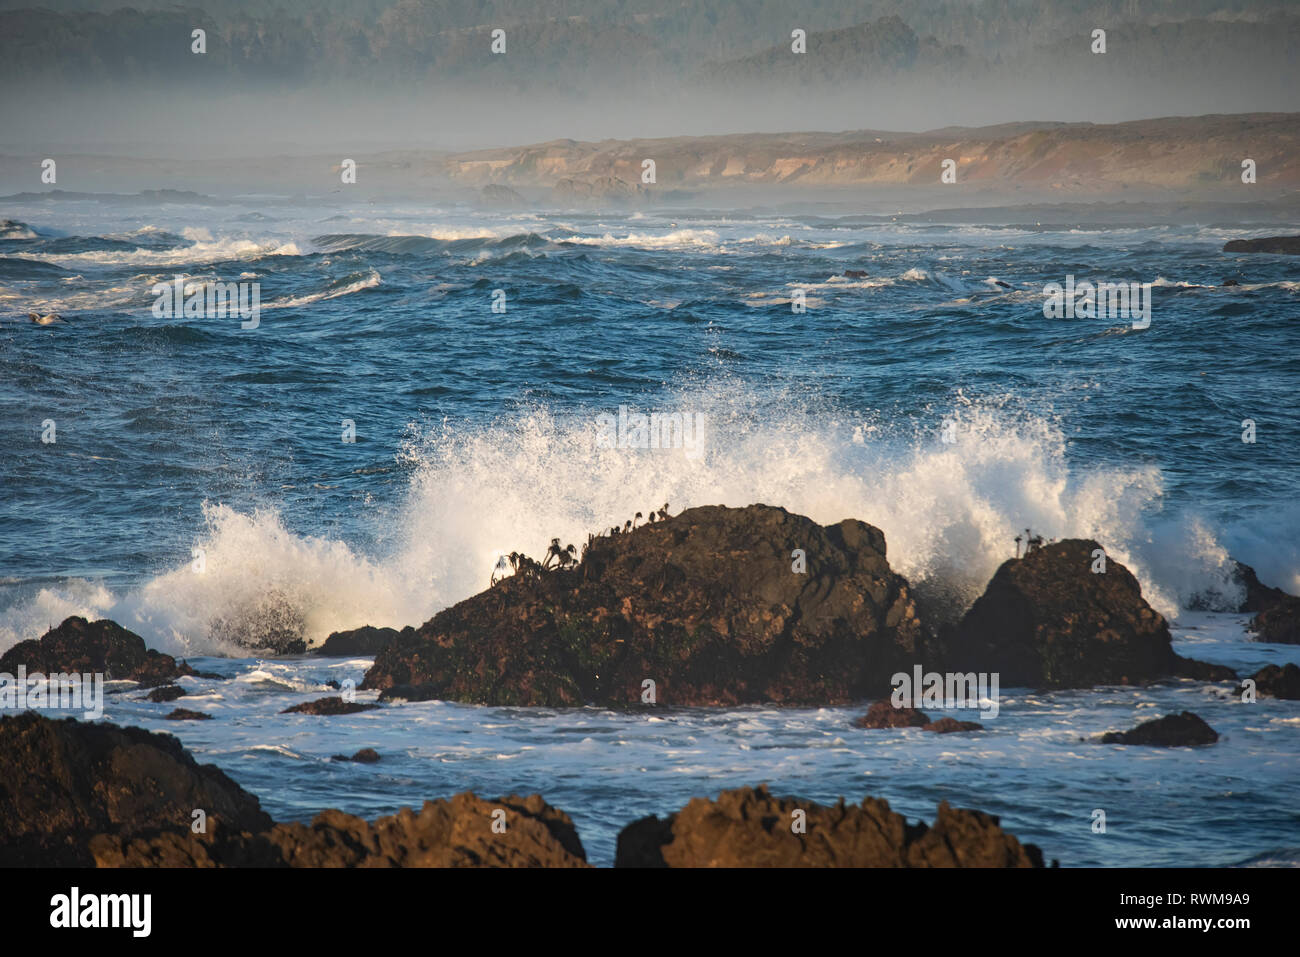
94, 647
748, 827
1172, 731
716, 606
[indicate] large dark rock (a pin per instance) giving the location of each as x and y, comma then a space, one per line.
1258, 596
98, 647
357, 643
1278, 681
1279, 622
62, 782
1265, 244
1172, 731
1047, 621
75, 794
749, 827
704, 604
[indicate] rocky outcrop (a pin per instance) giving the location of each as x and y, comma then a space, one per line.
62, 782
463, 831
1279, 622
1172, 731
364, 756
185, 714
410, 693
714, 606
269, 624
165, 693
748, 827
1276, 681
951, 725
358, 643
329, 706
1047, 620
883, 714
1258, 596
1289, 245
98, 647
79, 794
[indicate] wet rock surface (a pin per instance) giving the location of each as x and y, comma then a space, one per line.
1172, 731
62, 782
94, 647
329, 706
1278, 681
1048, 621
358, 643
705, 604
748, 827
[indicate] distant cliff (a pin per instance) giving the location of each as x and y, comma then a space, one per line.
1170, 152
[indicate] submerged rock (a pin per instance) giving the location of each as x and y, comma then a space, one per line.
185, 714
357, 643
714, 606
883, 714
331, 705
1277, 682
1047, 620
1265, 244
62, 782
98, 647
951, 725
364, 756
748, 827
1171, 731
165, 693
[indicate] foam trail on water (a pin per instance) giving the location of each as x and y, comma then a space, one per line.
950, 512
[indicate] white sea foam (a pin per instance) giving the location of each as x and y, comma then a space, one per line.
949, 512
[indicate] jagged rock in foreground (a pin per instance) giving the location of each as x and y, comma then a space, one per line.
705, 604
447, 833
748, 827
62, 782
77, 794
1048, 621
359, 642
1172, 731
1278, 682
98, 647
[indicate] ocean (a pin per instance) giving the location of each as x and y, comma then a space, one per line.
470, 353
